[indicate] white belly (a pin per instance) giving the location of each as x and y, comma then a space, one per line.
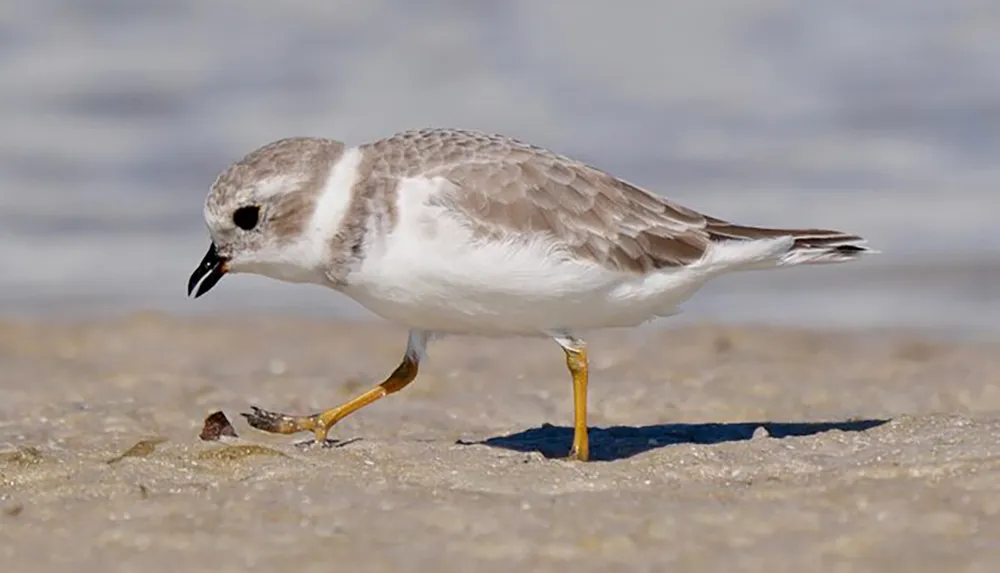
438, 279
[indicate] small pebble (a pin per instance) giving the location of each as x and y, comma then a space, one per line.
216, 426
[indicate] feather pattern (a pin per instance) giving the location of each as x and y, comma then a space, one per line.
505, 188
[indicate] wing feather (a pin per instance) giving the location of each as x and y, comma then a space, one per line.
502, 188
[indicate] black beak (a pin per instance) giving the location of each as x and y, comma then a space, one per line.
211, 268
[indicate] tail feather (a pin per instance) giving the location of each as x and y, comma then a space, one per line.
809, 246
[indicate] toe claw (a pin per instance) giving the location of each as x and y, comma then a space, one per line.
266, 420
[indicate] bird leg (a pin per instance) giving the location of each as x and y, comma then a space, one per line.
576, 361
320, 423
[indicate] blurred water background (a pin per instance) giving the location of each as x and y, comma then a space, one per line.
881, 118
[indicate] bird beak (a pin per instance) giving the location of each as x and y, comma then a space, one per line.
209, 271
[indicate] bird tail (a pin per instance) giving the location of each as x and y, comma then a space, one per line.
807, 246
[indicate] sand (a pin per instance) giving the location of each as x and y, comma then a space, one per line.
718, 449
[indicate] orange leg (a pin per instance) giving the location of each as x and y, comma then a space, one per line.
320, 423
576, 361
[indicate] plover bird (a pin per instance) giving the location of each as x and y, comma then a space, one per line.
450, 231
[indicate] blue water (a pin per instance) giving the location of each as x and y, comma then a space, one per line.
881, 118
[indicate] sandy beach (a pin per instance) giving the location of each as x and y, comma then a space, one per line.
718, 449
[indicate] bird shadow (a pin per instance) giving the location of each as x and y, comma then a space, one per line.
620, 442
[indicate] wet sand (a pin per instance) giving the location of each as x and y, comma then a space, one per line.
719, 449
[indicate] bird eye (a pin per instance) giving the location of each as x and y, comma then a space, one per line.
246, 217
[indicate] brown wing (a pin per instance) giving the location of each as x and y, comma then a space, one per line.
590, 213
504, 186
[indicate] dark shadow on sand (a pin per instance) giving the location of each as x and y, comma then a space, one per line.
619, 442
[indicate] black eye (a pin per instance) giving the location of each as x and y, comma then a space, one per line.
246, 217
